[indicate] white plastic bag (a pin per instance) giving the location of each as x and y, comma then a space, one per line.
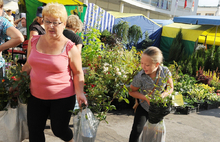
13, 123
153, 132
85, 126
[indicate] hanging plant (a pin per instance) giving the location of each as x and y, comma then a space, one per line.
121, 30
134, 34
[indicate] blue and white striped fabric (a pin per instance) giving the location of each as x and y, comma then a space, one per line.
98, 18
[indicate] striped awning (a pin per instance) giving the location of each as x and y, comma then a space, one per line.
98, 18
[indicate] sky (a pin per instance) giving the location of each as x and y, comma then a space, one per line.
208, 2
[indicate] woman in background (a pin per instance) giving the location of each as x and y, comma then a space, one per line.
73, 26
37, 27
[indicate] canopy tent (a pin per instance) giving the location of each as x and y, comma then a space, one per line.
200, 20
162, 22
72, 7
144, 22
210, 36
98, 18
13, 6
64, 2
190, 35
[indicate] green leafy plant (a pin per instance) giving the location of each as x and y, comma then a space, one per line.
156, 99
21, 86
208, 59
134, 34
129, 36
216, 84
92, 46
147, 41
107, 76
109, 39
121, 30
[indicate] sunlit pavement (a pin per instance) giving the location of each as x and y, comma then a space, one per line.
203, 126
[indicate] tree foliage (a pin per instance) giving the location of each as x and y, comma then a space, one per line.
176, 51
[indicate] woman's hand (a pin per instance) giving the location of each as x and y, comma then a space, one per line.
81, 99
14, 91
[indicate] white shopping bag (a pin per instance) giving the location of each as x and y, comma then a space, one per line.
85, 126
153, 132
13, 124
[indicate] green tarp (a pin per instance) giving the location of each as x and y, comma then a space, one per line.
32, 5
167, 41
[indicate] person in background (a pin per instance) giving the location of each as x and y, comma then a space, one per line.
74, 25
7, 30
10, 17
50, 60
21, 25
37, 27
18, 21
151, 61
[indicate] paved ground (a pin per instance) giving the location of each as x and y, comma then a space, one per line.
202, 126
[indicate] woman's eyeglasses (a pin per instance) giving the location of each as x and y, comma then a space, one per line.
54, 23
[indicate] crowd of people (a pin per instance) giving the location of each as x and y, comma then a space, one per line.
7, 29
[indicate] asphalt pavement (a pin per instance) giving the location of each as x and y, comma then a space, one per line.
203, 126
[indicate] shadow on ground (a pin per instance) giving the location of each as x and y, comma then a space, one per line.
210, 112
127, 111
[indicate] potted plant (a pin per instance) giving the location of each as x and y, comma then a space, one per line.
159, 107
3, 94
23, 92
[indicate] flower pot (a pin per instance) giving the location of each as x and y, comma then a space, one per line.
193, 110
212, 105
3, 105
156, 113
183, 110
200, 106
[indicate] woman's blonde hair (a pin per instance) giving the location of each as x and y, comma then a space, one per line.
155, 54
1, 3
73, 22
55, 10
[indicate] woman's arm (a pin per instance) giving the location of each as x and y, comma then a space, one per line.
16, 38
79, 47
169, 89
134, 93
78, 76
33, 33
27, 66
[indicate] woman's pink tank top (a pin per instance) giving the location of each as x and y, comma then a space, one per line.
50, 74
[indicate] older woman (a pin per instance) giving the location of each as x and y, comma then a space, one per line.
7, 30
74, 25
50, 60
37, 27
